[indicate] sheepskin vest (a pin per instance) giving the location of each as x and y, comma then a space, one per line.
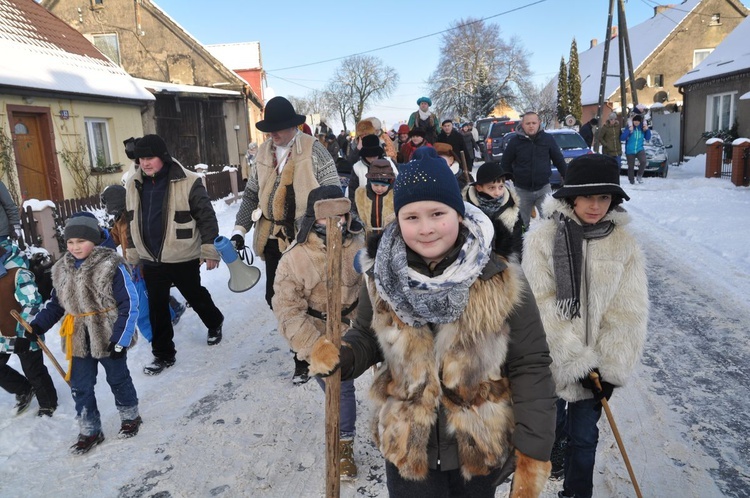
459, 365
83, 290
283, 198
364, 208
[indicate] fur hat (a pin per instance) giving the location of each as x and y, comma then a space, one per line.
403, 129
365, 127
592, 174
371, 147
491, 171
427, 178
375, 123
380, 170
279, 115
444, 149
417, 132
319, 194
152, 146
83, 227
113, 198
424, 99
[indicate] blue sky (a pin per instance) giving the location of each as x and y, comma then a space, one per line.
293, 33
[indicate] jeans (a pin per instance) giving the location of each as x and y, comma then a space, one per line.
642, 163
82, 382
186, 277
37, 376
580, 422
529, 199
440, 484
347, 408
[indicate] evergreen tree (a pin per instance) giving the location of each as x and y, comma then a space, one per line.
562, 91
574, 82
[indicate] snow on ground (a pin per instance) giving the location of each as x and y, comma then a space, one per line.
226, 421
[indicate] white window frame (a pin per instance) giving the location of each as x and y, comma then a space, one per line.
711, 108
93, 144
705, 52
105, 36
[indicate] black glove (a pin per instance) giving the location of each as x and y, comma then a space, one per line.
238, 241
606, 388
21, 345
36, 331
114, 354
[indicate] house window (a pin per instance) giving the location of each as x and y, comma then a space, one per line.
720, 109
700, 54
108, 45
715, 20
97, 4
97, 138
658, 80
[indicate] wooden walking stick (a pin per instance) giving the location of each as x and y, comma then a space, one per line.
595, 379
333, 210
41, 344
465, 168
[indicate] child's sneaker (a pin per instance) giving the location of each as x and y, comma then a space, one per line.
85, 443
129, 428
23, 401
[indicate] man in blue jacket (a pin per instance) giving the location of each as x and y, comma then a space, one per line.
634, 135
529, 156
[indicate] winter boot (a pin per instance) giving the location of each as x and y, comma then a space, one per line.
46, 411
24, 400
157, 366
214, 335
301, 371
85, 443
129, 428
558, 458
178, 309
347, 466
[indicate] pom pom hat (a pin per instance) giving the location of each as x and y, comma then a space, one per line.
427, 178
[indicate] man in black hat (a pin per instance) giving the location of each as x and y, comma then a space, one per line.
171, 230
287, 168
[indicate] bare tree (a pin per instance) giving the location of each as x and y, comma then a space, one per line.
360, 80
541, 98
315, 102
477, 69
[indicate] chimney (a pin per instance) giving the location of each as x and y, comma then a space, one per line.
593, 43
613, 33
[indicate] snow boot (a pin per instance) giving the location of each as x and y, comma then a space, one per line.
24, 400
46, 412
558, 459
347, 466
85, 443
301, 372
157, 366
178, 308
129, 428
214, 335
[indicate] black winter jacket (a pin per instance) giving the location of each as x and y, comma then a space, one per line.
530, 160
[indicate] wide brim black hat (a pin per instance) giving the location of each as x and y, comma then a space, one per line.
592, 174
371, 147
417, 132
279, 115
491, 171
318, 194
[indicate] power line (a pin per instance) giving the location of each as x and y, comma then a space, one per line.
413, 39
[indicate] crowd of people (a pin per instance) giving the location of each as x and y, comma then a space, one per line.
483, 323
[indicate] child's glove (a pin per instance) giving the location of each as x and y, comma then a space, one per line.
238, 241
116, 351
35, 332
21, 345
606, 390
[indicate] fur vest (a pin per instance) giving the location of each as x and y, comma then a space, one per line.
459, 365
611, 330
85, 289
283, 198
300, 285
364, 205
361, 169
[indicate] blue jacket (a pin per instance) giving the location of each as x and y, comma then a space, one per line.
530, 160
634, 139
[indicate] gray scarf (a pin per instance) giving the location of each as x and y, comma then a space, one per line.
418, 299
567, 260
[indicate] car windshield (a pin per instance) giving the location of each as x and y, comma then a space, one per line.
568, 141
500, 129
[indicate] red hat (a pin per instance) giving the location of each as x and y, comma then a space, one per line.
403, 129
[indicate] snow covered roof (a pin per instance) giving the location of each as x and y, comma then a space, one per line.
165, 87
237, 56
644, 38
41, 52
731, 56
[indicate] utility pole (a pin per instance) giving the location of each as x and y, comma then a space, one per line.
605, 62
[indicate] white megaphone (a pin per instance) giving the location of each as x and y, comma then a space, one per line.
242, 277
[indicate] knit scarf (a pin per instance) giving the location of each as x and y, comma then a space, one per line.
419, 299
489, 206
568, 258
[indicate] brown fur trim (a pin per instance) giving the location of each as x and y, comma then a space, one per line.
365, 127
530, 477
324, 357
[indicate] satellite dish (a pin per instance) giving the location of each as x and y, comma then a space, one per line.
661, 96
640, 83
569, 120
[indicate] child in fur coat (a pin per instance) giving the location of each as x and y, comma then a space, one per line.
374, 201
499, 202
464, 388
94, 290
588, 275
300, 302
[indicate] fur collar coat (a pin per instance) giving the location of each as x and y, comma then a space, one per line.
611, 330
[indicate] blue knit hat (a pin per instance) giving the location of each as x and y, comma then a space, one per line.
427, 177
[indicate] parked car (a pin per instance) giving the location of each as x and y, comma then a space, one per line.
483, 127
572, 145
493, 143
656, 155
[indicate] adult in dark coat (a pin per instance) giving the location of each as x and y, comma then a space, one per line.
343, 141
450, 135
587, 131
470, 144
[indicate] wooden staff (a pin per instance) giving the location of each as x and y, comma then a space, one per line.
333, 210
463, 167
40, 342
595, 379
